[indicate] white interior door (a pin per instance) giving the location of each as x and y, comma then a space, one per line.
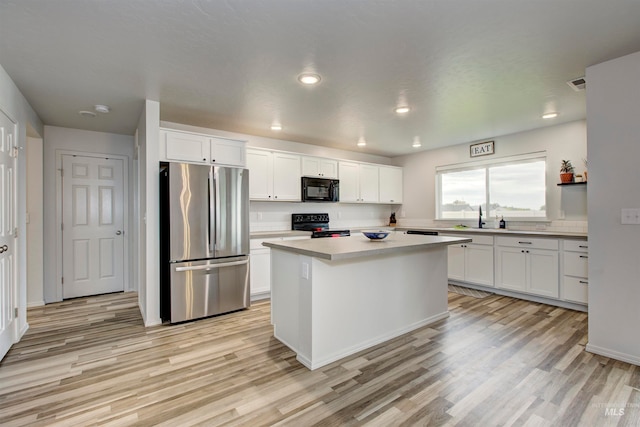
7, 233
92, 226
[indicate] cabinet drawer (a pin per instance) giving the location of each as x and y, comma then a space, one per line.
576, 289
576, 264
478, 240
575, 245
527, 242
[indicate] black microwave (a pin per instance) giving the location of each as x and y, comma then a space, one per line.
320, 189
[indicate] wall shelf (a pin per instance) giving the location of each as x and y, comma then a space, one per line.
572, 183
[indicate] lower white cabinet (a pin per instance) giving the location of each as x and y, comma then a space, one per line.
260, 266
472, 262
575, 276
528, 265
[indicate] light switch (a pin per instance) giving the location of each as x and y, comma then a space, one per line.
305, 270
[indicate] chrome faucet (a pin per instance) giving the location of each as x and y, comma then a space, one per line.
480, 223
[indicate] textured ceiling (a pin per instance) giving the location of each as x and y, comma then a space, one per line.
469, 69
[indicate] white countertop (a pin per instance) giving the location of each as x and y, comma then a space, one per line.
280, 233
499, 231
357, 245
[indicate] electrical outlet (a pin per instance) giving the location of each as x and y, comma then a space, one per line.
305, 270
630, 216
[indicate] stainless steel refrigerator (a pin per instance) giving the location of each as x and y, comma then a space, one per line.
204, 240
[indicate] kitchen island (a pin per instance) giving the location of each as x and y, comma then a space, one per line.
333, 297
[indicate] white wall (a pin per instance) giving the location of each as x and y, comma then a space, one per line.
56, 141
149, 169
613, 117
565, 141
14, 104
35, 230
282, 145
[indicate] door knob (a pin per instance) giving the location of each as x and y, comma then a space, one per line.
118, 232
3, 249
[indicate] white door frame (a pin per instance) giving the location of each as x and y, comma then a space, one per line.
127, 190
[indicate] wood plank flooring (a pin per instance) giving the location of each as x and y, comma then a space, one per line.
496, 361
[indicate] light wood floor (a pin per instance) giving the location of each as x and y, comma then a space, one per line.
495, 361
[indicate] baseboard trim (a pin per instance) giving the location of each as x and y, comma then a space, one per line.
35, 304
318, 363
623, 357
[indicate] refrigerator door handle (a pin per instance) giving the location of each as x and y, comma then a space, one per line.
217, 213
212, 213
212, 266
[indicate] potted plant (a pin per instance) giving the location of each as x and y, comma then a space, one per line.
566, 172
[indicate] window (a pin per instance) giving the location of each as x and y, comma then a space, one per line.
513, 188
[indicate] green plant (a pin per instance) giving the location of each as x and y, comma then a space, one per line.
566, 167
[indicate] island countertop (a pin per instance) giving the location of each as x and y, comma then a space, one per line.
357, 245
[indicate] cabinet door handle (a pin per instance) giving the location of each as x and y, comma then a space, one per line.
525, 243
584, 282
584, 256
584, 246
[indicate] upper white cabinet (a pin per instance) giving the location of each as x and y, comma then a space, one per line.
185, 147
528, 265
390, 184
198, 148
318, 166
359, 182
228, 152
273, 175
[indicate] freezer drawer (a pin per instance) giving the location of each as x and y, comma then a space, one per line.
204, 288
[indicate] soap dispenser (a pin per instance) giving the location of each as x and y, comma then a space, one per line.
503, 224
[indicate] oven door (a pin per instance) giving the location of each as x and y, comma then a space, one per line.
204, 288
320, 190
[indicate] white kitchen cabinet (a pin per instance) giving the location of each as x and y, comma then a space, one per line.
471, 262
260, 266
273, 176
228, 152
286, 177
575, 275
192, 147
527, 265
319, 166
358, 182
186, 147
390, 184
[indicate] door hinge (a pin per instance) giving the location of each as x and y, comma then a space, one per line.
62, 226
15, 312
62, 280
61, 172
15, 232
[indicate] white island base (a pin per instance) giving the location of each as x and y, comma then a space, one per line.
325, 310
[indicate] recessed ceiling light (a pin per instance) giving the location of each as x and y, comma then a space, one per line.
102, 108
90, 114
550, 115
309, 78
276, 126
416, 142
361, 142
403, 109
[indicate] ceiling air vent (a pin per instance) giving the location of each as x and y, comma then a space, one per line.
578, 84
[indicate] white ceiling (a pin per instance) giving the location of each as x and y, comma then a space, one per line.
470, 69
